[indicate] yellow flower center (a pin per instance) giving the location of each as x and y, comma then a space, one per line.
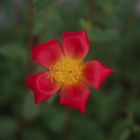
66, 71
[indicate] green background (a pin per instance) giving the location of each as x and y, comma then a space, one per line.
113, 112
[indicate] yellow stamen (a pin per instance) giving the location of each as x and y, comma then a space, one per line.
66, 71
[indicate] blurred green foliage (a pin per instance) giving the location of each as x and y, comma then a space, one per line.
113, 112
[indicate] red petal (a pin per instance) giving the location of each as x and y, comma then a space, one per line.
48, 53
75, 96
95, 73
42, 86
75, 44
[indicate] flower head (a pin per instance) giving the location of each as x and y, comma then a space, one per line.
66, 70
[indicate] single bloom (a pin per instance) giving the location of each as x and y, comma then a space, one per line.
66, 70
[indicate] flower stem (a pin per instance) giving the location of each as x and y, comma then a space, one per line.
31, 28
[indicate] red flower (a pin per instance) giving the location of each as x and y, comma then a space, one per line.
66, 71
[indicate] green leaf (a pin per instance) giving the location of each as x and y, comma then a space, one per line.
121, 130
29, 109
85, 128
107, 104
98, 35
8, 127
133, 106
14, 51
35, 134
43, 4
54, 119
104, 36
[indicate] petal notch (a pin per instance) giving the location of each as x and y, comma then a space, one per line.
95, 73
75, 44
75, 96
48, 53
42, 86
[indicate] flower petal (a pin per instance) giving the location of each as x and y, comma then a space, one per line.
95, 73
42, 86
75, 44
75, 96
48, 53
